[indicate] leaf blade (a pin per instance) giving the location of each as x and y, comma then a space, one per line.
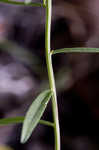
34, 114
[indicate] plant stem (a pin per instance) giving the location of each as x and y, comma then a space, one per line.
51, 74
75, 50
46, 123
15, 120
13, 2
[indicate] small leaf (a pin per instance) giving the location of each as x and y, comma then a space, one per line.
34, 114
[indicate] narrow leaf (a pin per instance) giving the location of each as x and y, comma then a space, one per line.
34, 114
76, 50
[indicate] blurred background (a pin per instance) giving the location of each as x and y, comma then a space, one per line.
23, 74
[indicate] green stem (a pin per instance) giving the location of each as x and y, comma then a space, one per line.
75, 50
44, 3
47, 123
15, 120
12, 2
51, 74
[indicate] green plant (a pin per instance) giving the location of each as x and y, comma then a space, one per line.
38, 106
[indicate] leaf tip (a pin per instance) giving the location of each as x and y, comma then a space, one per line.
23, 139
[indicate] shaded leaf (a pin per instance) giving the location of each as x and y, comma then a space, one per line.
34, 114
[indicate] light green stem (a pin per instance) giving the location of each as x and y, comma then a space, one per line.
51, 74
15, 120
76, 50
13, 2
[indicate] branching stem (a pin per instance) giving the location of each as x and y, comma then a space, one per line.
51, 74
55, 125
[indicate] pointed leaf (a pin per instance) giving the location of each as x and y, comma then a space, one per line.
34, 114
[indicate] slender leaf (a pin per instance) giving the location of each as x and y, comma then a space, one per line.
76, 50
34, 114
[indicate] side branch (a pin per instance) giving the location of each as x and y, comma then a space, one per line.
15, 120
22, 3
76, 50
